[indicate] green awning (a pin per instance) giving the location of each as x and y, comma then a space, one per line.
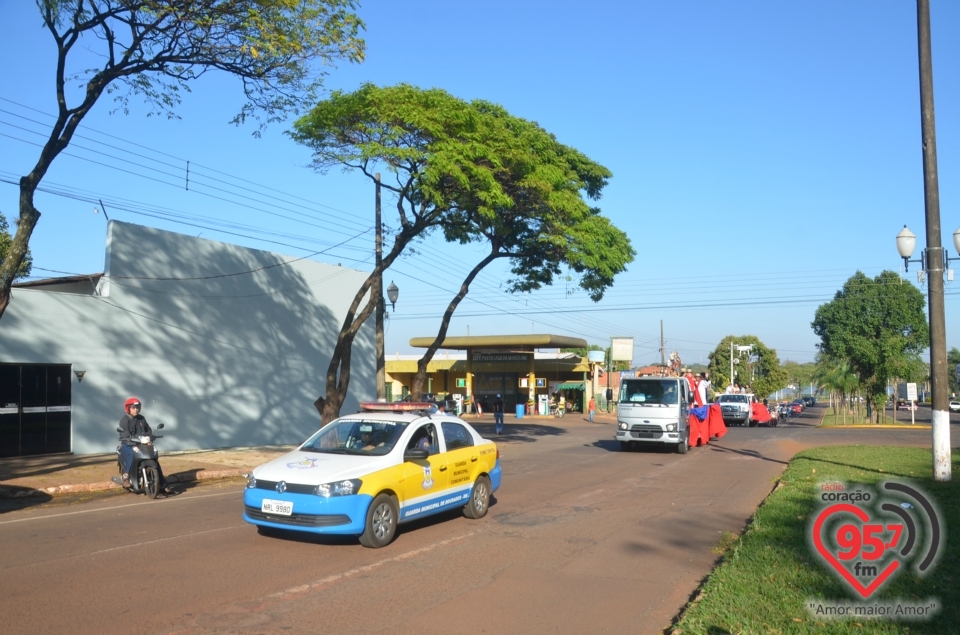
571, 385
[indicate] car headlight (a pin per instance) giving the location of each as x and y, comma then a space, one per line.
339, 488
251, 481
623, 426
671, 427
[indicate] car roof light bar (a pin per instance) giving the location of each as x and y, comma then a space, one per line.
398, 406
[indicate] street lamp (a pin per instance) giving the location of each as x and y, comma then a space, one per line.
935, 266
907, 242
393, 293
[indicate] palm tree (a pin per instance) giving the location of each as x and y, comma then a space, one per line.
838, 377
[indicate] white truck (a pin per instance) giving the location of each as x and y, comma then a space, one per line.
736, 409
654, 410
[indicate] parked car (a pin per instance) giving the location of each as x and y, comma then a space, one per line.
955, 406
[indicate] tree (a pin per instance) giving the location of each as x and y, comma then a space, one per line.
543, 224
878, 325
801, 375
836, 376
474, 173
760, 368
152, 49
953, 363
5, 239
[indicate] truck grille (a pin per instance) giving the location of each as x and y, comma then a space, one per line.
646, 432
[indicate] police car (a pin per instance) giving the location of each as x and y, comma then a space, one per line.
364, 473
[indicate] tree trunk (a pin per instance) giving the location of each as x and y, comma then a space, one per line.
416, 388
338, 371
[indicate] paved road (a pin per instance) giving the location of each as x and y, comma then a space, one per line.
581, 538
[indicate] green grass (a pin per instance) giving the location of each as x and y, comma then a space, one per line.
903, 418
766, 577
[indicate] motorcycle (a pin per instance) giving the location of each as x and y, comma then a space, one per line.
145, 472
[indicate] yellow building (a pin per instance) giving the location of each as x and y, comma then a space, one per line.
509, 365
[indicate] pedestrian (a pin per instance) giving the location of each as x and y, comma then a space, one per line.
591, 408
498, 413
702, 387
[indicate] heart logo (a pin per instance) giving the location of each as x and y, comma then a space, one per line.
857, 541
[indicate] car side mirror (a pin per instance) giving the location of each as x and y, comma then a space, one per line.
119, 429
416, 454
159, 427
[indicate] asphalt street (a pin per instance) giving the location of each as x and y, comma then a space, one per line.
581, 538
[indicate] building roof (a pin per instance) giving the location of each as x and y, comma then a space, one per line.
513, 342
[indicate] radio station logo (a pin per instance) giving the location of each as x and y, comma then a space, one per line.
867, 538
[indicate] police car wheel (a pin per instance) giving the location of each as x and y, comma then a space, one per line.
381, 524
479, 499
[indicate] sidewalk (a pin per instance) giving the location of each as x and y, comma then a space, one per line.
67, 474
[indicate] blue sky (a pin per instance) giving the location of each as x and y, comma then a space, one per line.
762, 152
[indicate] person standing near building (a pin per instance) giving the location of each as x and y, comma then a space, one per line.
591, 408
498, 413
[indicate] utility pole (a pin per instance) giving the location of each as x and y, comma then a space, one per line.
378, 290
731, 362
663, 359
934, 253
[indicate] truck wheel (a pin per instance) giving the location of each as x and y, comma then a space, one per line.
684, 445
381, 524
751, 423
479, 499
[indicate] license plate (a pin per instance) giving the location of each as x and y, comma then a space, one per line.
280, 508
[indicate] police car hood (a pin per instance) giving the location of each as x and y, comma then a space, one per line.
315, 468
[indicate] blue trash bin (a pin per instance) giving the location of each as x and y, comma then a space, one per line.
520, 408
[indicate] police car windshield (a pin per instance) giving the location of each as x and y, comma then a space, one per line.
650, 392
356, 436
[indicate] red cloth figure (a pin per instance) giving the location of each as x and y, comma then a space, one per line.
759, 413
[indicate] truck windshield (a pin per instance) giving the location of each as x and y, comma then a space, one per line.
650, 391
734, 399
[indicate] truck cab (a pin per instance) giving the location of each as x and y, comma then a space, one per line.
654, 410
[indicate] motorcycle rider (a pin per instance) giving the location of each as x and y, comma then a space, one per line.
132, 426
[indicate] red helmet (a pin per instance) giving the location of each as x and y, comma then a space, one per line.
132, 401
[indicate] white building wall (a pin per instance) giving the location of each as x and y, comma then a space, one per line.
223, 360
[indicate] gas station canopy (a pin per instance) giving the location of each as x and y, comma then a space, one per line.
513, 342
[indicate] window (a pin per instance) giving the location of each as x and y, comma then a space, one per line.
425, 438
456, 436
654, 392
353, 436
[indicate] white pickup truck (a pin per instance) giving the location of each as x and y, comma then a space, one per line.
736, 409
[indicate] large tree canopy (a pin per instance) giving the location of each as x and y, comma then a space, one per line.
878, 325
759, 367
151, 49
477, 174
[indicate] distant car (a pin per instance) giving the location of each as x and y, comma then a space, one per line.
903, 405
955, 406
800, 403
364, 473
809, 401
796, 407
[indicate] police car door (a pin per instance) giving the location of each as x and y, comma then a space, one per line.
424, 480
462, 456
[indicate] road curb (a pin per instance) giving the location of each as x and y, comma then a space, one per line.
8, 491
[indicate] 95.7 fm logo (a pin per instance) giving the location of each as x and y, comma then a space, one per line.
868, 537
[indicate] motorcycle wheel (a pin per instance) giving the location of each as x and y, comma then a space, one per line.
151, 485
